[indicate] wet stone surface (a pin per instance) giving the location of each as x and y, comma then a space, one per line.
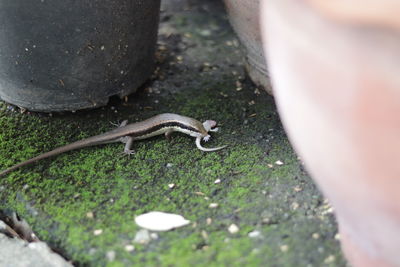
19, 253
251, 204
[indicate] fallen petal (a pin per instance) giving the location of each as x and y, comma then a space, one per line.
160, 221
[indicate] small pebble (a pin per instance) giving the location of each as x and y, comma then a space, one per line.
129, 248
142, 237
98, 232
284, 248
329, 259
204, 234
213, 205
154, 236
266, 220
297, 189
217, 181
315, 235
171, 186
254, 234
233, 228
294, 206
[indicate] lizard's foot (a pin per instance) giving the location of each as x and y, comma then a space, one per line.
114, 124
126, 153
118, 124
123, 123
129, 152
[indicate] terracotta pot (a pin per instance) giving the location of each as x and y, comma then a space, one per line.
244, 17
337, 86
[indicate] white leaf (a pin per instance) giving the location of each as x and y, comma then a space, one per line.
160, 221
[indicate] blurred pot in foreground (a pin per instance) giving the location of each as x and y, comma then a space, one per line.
244, 17
337, 85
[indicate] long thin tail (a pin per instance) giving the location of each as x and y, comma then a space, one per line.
91, 141
32, 160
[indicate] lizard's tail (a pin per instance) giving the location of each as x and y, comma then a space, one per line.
6, 171
78, 144
34, 159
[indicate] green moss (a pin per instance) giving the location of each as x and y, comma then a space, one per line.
115, 188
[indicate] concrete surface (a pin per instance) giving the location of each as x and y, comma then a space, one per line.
251, 204
19, 253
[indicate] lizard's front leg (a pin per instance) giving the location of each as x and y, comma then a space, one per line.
122, 124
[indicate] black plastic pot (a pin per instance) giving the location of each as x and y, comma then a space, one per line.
67, 55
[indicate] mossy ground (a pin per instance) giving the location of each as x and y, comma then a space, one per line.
197, 77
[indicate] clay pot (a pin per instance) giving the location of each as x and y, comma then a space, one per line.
68, 55
337, 86
244, 17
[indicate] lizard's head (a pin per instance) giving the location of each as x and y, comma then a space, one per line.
209, 126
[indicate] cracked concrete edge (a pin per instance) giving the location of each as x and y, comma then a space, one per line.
19, 253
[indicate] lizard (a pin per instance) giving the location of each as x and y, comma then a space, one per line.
165, 123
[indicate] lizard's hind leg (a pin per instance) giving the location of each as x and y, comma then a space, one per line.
128, 141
